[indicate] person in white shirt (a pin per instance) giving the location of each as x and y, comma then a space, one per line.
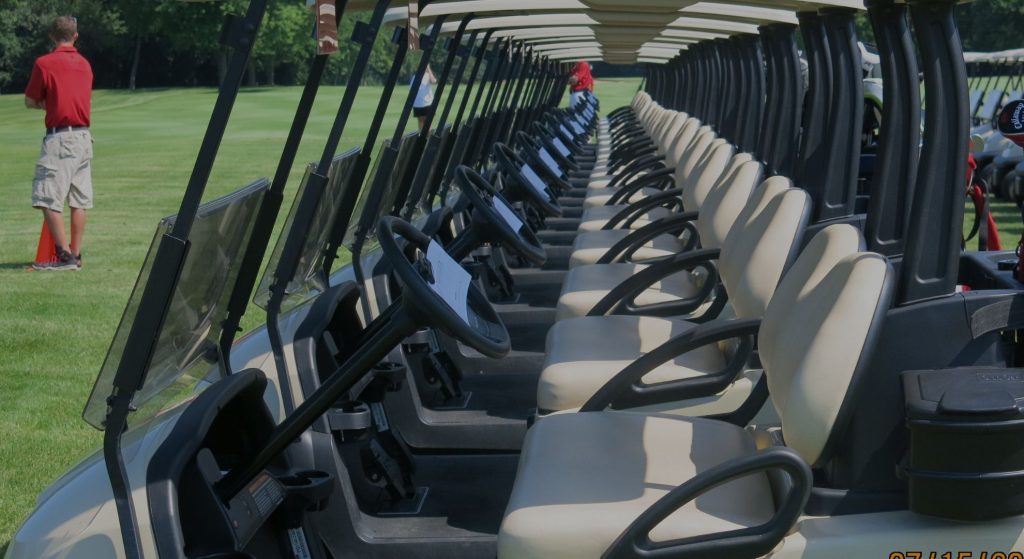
424, 96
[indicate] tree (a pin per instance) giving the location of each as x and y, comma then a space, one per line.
285, 38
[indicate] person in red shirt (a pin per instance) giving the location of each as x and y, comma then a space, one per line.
580, 81
61, 84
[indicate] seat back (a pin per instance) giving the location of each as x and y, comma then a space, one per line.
691, 153
696, 185
659, 119
727, 198
816, 338
676, 149
762, 246
674, 124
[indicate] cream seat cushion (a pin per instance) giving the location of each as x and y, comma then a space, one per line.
584, 353
584, 477
585, 286
590, 246
594, 219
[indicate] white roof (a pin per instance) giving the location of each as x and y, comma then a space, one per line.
650, 31
998, 56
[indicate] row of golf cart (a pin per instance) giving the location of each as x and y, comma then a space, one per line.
994, 80
678, 328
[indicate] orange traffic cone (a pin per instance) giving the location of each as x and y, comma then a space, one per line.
46, 252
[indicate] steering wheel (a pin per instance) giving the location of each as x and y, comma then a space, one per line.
510, 161
532, 150
487, 219
483, 331
546, 136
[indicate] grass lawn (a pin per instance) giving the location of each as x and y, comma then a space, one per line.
55, 327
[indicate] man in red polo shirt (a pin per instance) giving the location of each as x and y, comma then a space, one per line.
580, 81
61, 84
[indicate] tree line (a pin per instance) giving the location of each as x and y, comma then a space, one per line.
165, 43
170, 43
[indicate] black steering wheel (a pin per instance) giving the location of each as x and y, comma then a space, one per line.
546, 136
531, 148
483, 331
491, 225
513, 165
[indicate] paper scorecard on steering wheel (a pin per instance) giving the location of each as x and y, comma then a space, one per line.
576, 126
545, 156
449, 280
508, 214
565, 130
535, 181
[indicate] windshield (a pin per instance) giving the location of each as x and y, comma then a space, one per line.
194, 318
391, 185
309, 279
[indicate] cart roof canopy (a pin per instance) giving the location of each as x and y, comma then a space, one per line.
651, 31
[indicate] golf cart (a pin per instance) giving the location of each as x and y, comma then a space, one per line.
669, 330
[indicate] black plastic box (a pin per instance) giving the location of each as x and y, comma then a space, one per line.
966, 455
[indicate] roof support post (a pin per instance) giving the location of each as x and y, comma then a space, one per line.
753, 104
790, 97
679, 71
845, 118
479, 50
704, 78
812, 160
937, 211
899, 141
734, 89
724, 85
772, 101
693, 82
707, 85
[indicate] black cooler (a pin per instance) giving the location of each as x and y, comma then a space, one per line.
966, 455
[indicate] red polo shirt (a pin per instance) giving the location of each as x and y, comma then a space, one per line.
584, 80
63, 79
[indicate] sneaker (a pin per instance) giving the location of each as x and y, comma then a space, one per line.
65, 261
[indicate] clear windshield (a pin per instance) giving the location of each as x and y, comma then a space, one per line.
189, 335
391, 185
309, 279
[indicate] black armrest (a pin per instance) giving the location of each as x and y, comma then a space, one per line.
672, 225
621, 299
650, 162
619, 158
662, 176
626, 389
755, 541
669, 198
634, 140
620, 111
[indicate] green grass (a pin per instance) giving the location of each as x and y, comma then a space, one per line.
55, 327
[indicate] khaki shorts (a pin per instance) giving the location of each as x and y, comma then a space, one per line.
64, 171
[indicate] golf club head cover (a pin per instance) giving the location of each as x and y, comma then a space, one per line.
1011, 121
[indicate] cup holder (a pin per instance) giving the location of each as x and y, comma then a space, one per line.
393, 373
349, 416
307, 489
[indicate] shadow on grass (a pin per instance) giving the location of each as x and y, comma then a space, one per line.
27, 266
3, 548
